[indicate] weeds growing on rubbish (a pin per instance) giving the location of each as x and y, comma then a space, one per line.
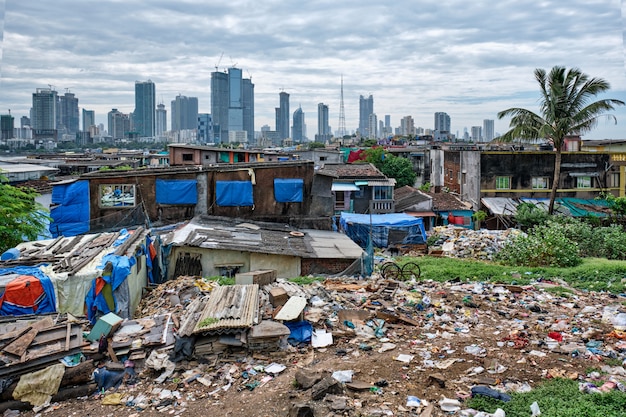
557, 398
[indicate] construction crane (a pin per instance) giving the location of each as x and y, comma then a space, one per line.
218, 61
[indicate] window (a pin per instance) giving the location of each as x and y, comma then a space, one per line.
583, 182
187, 157
117, 195
233, 193
503, 183
323, 158
383, 193
613, 180
288, 190
540, 183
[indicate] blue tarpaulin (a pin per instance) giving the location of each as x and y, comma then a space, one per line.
176, 191
233, 193
288, 190
70, 209
22, 296
385, 229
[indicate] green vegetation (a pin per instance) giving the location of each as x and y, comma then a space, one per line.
207, 322
392, 166
306, 280
222, 280
120, 168
557, 398
596, 274
22, 219
316, 145
565, 109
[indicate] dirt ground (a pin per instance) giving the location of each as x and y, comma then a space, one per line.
462, 335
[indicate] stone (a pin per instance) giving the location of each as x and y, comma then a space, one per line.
301, 410
306, 378
328, 385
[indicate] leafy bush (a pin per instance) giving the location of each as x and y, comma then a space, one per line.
611, 242
544, 245
529, 215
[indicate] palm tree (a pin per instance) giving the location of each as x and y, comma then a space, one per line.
565, 109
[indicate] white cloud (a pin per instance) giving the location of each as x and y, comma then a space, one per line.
468, 59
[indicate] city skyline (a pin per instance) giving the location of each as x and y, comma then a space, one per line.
414, 59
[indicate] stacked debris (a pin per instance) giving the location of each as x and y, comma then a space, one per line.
482, 244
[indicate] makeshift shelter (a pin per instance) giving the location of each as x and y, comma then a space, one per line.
27, 294
385, 229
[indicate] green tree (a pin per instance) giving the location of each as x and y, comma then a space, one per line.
392, 166
21, 217
565, 109
316, 145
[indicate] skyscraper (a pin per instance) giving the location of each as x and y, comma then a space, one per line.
282, 116
366, 108
372, 126
68, 113
161, 120
119, 124
6, 126
44, 114
298, 127
442, 126
476, 133
144, 115
205, 128
89, 119
488, 132
323, 128
184, 113
232, 101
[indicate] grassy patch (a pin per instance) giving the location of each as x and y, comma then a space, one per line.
594, 274
222, 280
557, 398
305, 280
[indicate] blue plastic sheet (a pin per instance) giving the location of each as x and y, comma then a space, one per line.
233, 193
301, 332
70, 209
359, 228
46, 302
176, 191
288, 190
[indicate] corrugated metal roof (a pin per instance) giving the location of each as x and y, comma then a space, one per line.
229, 307
382, 183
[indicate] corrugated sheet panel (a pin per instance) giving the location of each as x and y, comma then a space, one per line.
229, 307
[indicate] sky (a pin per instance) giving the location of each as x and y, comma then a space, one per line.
415, 57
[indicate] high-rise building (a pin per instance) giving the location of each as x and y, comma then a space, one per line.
89, 119
298, 129
24, 121
161, 120
323, 128
6, 126
476, 133
68, 114
119, 124
488, 132
232, 101
407, 126
372, 126
205, 128
366, 108
144, 116
282, 116
442, 126
44, 113
184, 113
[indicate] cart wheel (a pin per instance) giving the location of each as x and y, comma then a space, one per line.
410, 269
391, 271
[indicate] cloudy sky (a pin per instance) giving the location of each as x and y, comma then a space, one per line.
416, 57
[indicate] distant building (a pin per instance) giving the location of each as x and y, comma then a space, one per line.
323, 129
282, 115
372, 126
442, 126
298, 129
161, 120
119, 124
184, 113
89, 119
232, 104
205, 128
44, 114
407, 126
366, 108
144, 116
6, 126
68, 114
488, 131
477, 133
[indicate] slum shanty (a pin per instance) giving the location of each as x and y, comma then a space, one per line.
224, 324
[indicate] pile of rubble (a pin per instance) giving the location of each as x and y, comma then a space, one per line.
344, 346
483, 244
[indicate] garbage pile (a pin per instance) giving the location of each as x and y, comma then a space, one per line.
346, 346
483, 244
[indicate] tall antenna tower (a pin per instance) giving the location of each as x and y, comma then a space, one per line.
342, 114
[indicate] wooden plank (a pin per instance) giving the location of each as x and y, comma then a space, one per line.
18, 346
68, 333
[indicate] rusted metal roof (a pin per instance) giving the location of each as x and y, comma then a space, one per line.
229, 307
